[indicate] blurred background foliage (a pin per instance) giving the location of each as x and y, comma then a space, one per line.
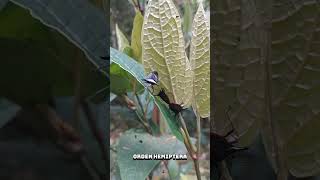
265, 67
53, 110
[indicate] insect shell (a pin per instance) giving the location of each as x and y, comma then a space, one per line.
151, 79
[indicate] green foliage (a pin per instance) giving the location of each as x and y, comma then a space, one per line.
38, 60
142, 143
136, 37
136, 70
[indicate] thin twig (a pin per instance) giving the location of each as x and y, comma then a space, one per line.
97, 93
145, 125
139, 101
197, 165
189, 146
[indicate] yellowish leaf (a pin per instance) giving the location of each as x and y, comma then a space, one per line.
121, 39
136, 37
200, 60
163, 50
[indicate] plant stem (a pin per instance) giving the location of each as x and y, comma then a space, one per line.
189, 146
198, 144
139, 101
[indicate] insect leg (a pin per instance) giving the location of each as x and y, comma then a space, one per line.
228, 134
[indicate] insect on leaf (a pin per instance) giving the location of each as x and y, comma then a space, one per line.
163, 50
136, 70
200, 61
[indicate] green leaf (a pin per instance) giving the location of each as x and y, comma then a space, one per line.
187, 19
136, 37
163, 50
200, 61
7, 111
174, 170
142, 143
40, 61
121, 39
85, 25
136, 70
120, 81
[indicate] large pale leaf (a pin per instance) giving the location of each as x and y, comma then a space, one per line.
283, 99
238, 78
136, 70
295, 86
142, 143
80, 21
163, 50
200, 61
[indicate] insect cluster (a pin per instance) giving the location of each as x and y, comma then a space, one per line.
153, 79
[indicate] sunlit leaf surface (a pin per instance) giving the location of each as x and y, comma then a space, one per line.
200, 61
163, 50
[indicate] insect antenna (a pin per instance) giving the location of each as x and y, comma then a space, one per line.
233, 130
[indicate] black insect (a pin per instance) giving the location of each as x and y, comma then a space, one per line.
163, 96
222, 147
176, 108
